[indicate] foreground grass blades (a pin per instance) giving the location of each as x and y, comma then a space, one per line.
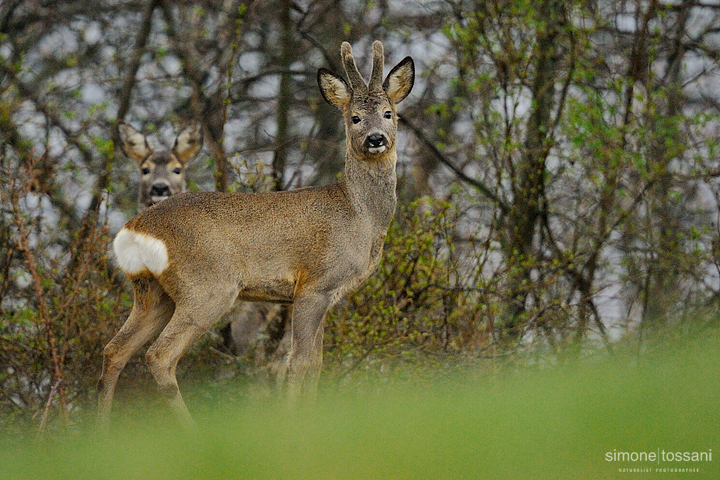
553, 423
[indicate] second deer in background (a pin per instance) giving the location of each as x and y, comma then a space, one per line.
162, 173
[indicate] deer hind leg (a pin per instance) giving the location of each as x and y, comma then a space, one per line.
152, 309
192, 318
305, 357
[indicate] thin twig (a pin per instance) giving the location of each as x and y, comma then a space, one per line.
23, 246
484, 189
46, 411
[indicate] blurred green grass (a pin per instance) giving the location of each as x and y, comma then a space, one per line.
546, 423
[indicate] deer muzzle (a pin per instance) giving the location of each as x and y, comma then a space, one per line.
376, 143
159, 192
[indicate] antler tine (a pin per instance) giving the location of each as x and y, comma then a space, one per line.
377, 68
356, 81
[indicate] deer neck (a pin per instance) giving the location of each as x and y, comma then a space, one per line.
371, 187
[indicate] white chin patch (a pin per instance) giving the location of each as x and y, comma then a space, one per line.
159, 199
377, 149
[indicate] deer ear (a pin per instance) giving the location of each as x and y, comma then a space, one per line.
333, 88
400, 80
133, 143
188, 143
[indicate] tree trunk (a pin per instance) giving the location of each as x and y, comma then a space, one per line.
661, 289
284, 98
525, 211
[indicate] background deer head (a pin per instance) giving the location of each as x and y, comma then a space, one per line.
162, 173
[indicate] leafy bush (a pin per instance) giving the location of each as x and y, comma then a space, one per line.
413, 303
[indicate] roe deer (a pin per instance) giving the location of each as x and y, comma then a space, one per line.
162, 173
188, 258
162, 176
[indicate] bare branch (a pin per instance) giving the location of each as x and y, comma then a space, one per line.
484, 189
140, 42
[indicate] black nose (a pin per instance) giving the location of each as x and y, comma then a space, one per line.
160, 190
375, 141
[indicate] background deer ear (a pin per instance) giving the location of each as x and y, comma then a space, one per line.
133, 143
333, 88
188, 143
400, 80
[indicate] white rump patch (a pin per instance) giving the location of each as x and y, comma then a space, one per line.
137, 252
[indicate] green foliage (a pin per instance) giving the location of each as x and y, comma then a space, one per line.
86, 307
400, 307
581, 192
531, 422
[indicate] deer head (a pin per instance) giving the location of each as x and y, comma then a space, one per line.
162, 173
368, 109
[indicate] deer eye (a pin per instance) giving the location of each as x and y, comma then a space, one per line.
176, 170
388, 114
145, 170
355, 119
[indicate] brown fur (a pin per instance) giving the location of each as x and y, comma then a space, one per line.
307, 247
167, 169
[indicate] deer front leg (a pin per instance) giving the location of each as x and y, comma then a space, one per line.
305, 357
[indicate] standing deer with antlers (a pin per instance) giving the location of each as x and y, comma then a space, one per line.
189, 257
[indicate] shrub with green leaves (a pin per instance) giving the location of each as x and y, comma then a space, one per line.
405, 305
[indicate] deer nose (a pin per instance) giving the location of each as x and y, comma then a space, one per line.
375, 141
160, 190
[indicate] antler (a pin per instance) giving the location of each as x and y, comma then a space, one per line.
356, 81
375, 84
